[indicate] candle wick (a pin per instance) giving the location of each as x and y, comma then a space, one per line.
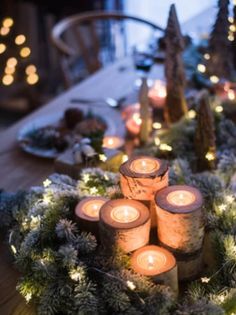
150, 261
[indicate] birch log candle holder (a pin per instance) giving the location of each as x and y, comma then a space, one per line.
124, 223
141, 177
87, 213
157, 263
181, 226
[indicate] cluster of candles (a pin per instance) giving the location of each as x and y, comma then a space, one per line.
127, 222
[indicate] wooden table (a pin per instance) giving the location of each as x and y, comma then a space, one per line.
19, 170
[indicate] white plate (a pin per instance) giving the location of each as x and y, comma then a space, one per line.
111, 117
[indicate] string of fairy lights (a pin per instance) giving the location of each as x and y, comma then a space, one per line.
8, 77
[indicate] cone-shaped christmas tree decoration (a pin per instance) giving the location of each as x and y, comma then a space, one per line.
174, 70
145, 112
220, 63
205, 135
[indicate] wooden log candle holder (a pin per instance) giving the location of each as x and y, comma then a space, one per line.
141, 177
158, 264
87, 213
180, 223
124, 223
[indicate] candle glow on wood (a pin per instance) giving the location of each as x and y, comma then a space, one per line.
112, 142
90, 207
124, 214
133, 124
144, 165
151, 260
180, 198
157, 94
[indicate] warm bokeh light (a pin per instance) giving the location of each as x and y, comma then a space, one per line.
165, 147
20, 39
201, 68
32, 78
214, 79
8, 22
156, 125
30, 69
12, 62
157, 141
7, 79
4, 31
230, 37
232, 28
219, 109
231, 19
2, 48
207, 56
191, 114
210, 156
231, 95
25, 52
9, 70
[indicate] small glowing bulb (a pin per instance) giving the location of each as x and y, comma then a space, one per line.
222, 207
207, 56
11, 62
214, 79
13, 249
191, 114
25, 52
231, 37
20, 39
2, 48
32, 78
231, 19
201, 68
7, 79
219, 109
102, 157
8, 22
110, 141
30, 69
137, 119
156, 125
124, 158
232, 28
165, 147
9, 70
4, 31
229, 198
157, 141
210, 156
150, 261
231, 94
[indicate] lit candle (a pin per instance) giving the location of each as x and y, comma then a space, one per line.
157, 263
133, 124
87, 213
124, 223
113, 142
129, 110
142, 176
157, 94
180, 223
144, 165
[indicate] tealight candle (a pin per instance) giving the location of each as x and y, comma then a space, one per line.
113, 142
181, 226
156, 263
141, 177
124, 223
87, 213
157, 94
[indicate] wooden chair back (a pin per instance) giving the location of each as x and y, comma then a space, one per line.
82, 37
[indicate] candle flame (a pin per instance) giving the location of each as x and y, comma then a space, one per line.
95, 207
150, 261
143, 164
110, 141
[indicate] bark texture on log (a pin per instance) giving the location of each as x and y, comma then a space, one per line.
142, 186
127, 236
